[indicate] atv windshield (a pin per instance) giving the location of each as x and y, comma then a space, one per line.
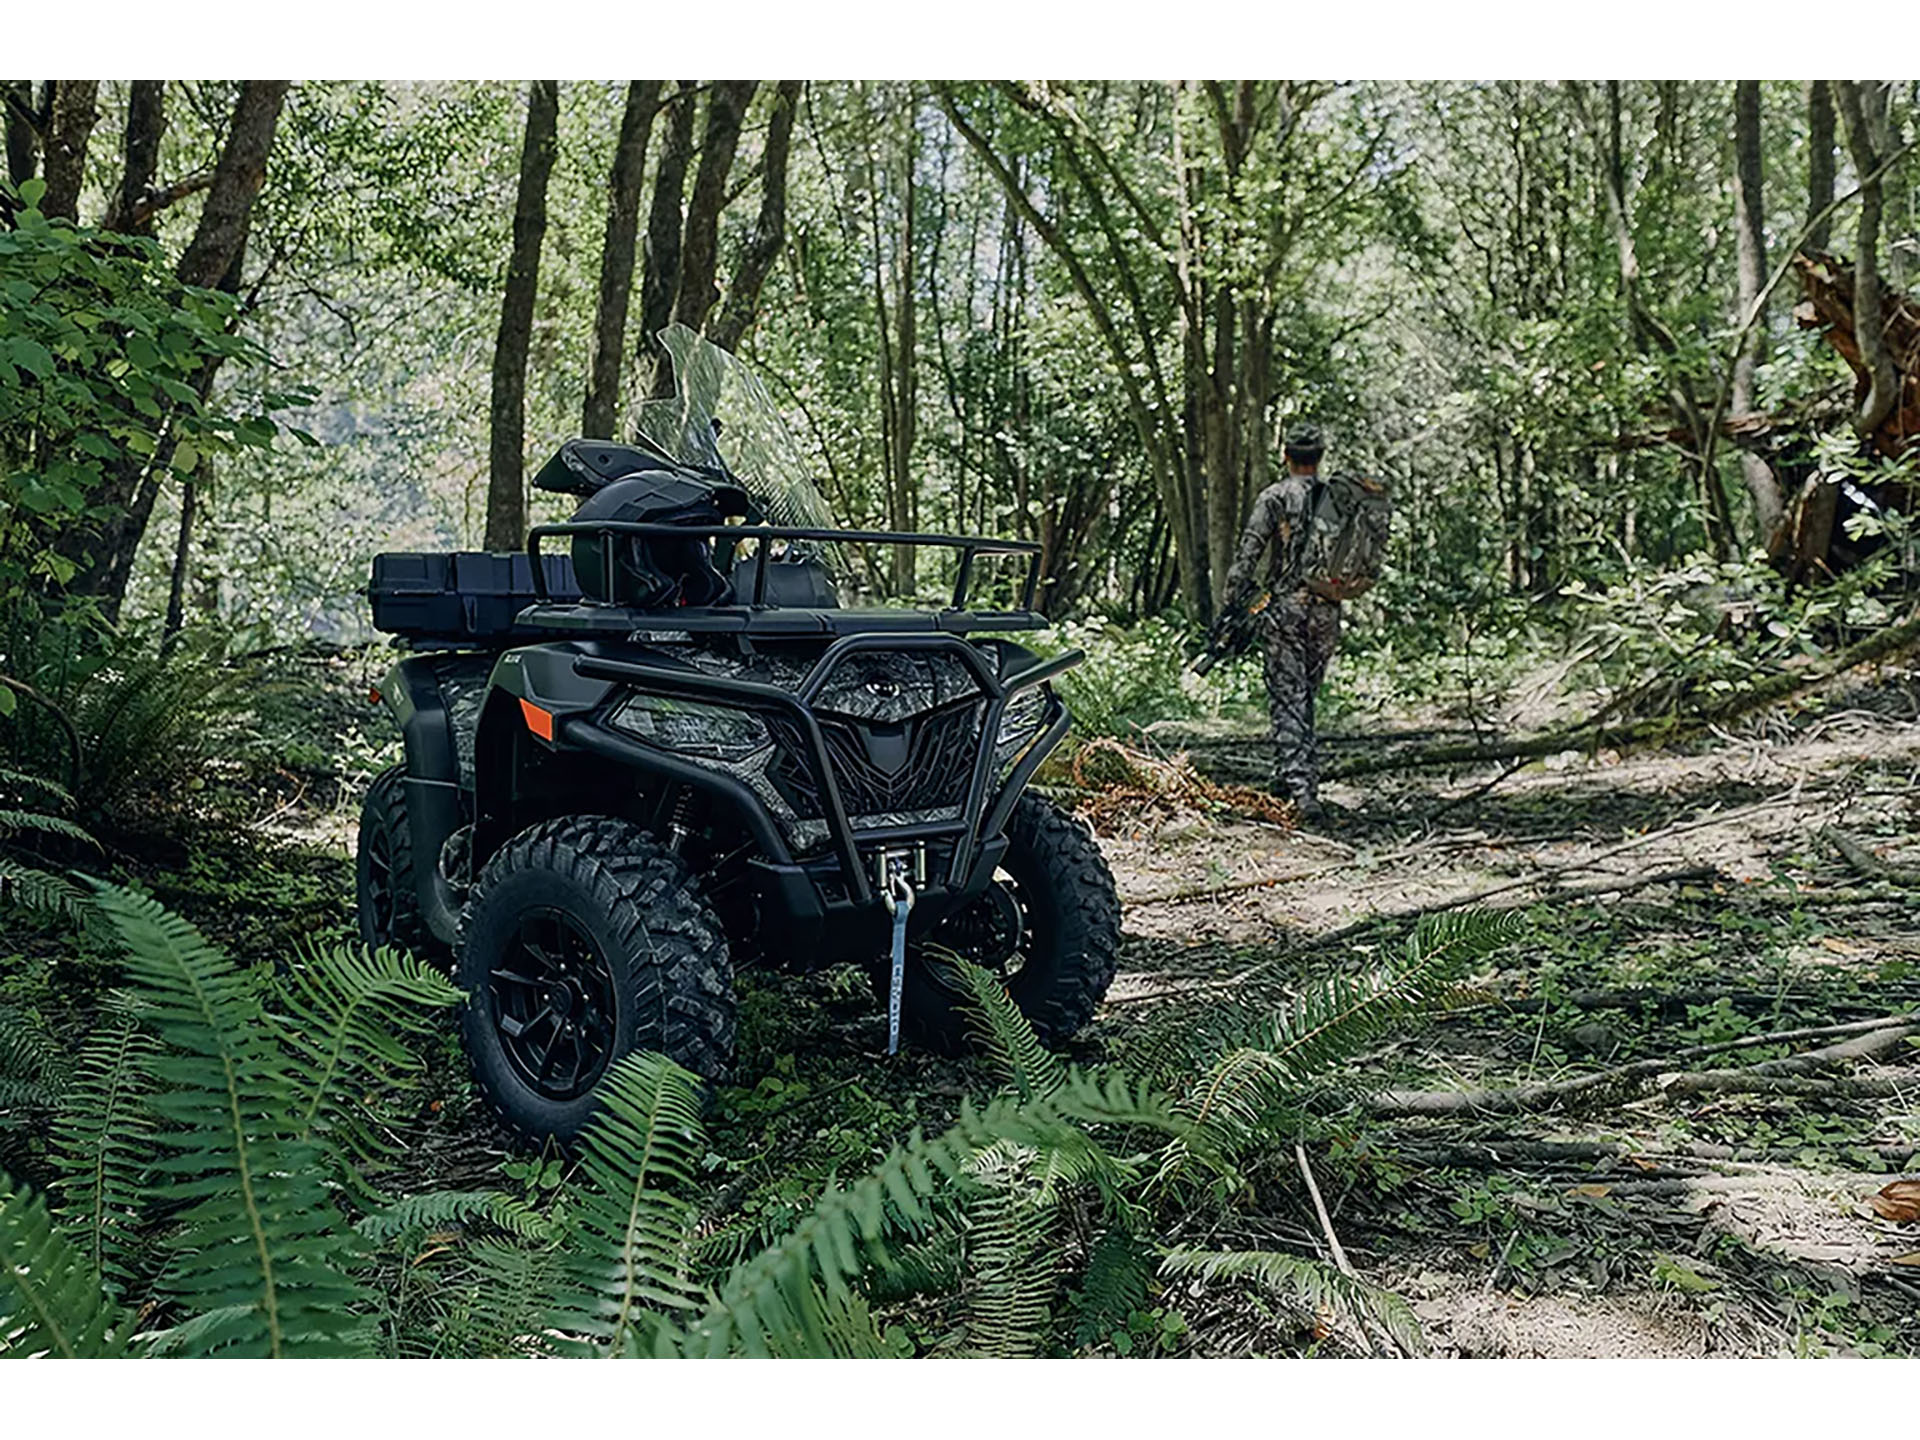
721, 416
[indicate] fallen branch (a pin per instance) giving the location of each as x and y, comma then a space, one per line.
1586, 736
1872, 1037
1868, 864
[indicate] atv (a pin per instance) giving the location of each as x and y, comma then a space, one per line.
681, 745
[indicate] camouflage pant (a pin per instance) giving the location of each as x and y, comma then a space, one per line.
1300, 635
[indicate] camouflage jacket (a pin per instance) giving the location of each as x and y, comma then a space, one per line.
1279, 524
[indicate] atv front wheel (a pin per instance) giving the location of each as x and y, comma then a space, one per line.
585, 941
388, 903
1049, 926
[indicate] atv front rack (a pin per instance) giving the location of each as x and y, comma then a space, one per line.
973, 823
968, 546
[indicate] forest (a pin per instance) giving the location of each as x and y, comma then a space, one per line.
1584, 1018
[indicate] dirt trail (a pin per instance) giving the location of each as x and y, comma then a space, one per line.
1728, 1223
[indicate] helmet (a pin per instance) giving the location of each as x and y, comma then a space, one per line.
1303, 441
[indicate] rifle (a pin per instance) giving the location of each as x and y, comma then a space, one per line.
1231, 634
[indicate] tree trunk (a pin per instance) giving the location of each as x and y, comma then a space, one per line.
697, 294
103, 561
1750, 242
1864, 107
662, 275
769, 227
23, 134
602, 408
130, 213
236, 184
68, 129
1819, 163
506, 450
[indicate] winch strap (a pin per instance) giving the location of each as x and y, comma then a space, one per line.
900, 902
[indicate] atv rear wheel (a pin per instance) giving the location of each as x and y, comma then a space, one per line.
388, 902
1049, 925
585, 941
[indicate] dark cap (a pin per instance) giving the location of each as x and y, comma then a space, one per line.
1303, 438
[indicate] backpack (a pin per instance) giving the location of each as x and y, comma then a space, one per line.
1349, 520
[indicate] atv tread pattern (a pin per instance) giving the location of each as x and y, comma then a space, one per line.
680, 975
1088, 921
386, 807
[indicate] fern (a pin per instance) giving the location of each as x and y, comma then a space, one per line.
626, 1248
1119, 1267
262, 1242
1234, 1103
103, 1139
33, 1073
51, 1302
345, 1013
1006, 1037
437, 1210
1010, 1253
1312, 1285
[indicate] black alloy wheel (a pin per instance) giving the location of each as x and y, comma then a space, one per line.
554, 1007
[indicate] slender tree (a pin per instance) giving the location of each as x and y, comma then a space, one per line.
602, 407
23, 130
1819, 162
696, 294
769, 227
506, 471
1750, 249
133, 207
1863, 105
662, 275
103, 559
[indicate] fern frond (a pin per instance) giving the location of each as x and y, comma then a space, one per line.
103, 1139
1005, 1036
267, 1247
345, 1012
1009, 1253
51, 1301
443, 1209
43, 893
770, 1303
627, 1246
1310, 1284
25, 782
508, 1291
1113, 1286
1235, 1101
13, 822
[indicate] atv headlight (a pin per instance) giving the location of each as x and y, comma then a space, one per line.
1023, 718
687, 727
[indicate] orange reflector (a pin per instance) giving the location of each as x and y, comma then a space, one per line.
539, 721
373, 697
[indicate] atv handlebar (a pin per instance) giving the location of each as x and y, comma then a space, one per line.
968, 545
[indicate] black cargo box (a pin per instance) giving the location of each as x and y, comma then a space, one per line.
460, 595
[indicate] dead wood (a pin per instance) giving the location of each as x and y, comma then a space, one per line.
1865, 862
1883, 644
1871, 1037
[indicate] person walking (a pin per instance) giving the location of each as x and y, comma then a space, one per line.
1299, 629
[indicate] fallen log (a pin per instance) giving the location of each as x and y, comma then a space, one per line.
1870, 1038
1868, 864
1883, 644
